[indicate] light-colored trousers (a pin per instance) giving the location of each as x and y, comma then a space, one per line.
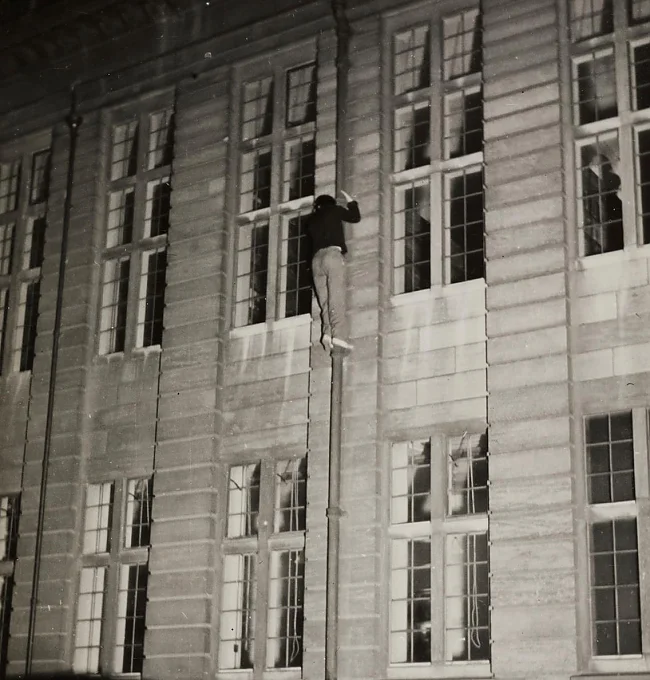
328, 270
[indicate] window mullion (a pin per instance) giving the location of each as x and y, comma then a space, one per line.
626, 142
140, 189
107, 640
265, 528
109, 623
640, 434
640, 430
620, 11
438, 506
643, 537
436, 134
273, 279
135, 265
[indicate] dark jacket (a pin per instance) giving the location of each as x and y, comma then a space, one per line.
325, 226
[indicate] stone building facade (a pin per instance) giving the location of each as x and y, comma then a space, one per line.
494, 484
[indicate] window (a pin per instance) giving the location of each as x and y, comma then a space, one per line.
261, 619
616, 464
437, 154
439, 556
277, 163
9, 512
24, 186
611, 116
115, 557
137, 222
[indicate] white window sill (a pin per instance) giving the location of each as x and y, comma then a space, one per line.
275, 673
452, 669
111, 357
440, 291
628, 254
271, 326
629, 667
644, 675
150, 349
135, 352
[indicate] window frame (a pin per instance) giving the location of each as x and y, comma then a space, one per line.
441, 524
140, 243
435, 96
283, 135
625, 36
261, 546
7, 568
113, 560
26, 213
639, 509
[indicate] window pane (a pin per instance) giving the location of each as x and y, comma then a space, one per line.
157, 207
410, 613
467, 619
255, 180
252, 274
6, 248
599, 187
411, 138
90, 611
301, 95
462, 46
411, 481
25, 332
121, 205
257, 116
610, 458
161, 139
124, 158
467, 476
295, 263
616, 623
299, 168
590, 18
412, 238
34, 243
237, 617
412, 60
465, 226
6, 592
290, 495
243, 500
9, 511
97, 518
114, 306
151, 298
643, 181
137, 526
285, 618
39, 184
463, 123
639, 10
9, 180
641, 76
131, 614
595, 88
4, 304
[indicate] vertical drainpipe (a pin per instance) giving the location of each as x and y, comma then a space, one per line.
74, 121
334, 493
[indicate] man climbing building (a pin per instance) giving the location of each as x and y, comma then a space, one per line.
325, 229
